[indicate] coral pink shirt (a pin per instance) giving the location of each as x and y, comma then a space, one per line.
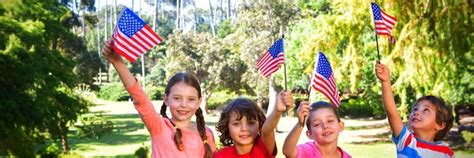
162, 131
309, 149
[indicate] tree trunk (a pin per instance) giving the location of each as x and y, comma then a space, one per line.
213, 29
177, 14
155, 17
115, 13
228, 9
83, 25
105, 21
181, 14
97, 27
63, 129
195, 17
112, 14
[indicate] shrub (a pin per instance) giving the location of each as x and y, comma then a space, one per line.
142, 152
93, 126
218, 100
154, 92
113, 91
360, 107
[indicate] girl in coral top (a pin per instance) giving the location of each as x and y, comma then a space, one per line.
244, 130
177, 136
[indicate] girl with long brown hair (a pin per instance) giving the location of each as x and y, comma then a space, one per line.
177, 136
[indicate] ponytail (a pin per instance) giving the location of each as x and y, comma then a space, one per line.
202, 132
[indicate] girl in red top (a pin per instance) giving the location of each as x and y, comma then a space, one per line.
244, 130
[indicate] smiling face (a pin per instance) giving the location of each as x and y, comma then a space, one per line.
183, 101
324, 126
242, 130
423, 117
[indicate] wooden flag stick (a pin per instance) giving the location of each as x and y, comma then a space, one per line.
377, 42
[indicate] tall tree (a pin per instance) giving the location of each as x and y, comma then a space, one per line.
198, 54
38, 52
213, 29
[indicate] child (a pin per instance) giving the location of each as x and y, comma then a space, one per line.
245, 132
324, 126
176, 136
429, 121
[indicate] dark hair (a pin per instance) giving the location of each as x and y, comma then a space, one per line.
319, 105
241, 107
192, 81
443, 115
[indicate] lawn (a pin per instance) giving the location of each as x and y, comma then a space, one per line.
129, 134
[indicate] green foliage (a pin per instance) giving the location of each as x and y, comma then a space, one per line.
142, 152
219, 99
467, 136
93, 126
198, 54
430, 55
224, 29
113, 91
38, 53
155, 92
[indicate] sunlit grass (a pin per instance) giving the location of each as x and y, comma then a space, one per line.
129, 134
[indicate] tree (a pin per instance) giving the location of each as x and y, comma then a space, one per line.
431, 47
198, 54
38, 99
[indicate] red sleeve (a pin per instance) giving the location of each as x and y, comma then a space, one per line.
263, 148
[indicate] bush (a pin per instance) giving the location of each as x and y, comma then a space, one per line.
93, 126
155, 93
142, 152
113, 91
218, 100
359, 107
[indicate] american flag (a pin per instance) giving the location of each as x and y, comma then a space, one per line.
323, 80
272, 59
132, 37
383, 22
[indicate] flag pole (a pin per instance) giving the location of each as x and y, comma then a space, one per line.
284, 64
376, 38
377, 42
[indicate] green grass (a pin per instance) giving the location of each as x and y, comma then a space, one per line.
129, 134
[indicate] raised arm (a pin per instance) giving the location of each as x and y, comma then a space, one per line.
284, 101
142, 103
289, 148
127, 78
396, 124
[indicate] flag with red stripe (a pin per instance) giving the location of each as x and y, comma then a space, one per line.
323, 80
272, 59
132, 36
384, 23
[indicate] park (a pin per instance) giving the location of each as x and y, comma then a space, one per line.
61, 97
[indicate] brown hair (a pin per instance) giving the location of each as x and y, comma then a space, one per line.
241, 107
192, 81
319, 105
443, 115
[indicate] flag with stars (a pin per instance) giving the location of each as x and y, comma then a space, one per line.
383, 22
132, 36
323, 80
272, 59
